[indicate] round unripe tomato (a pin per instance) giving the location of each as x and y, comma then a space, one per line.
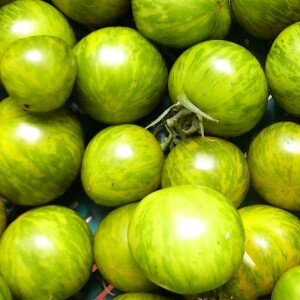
121, 76
187, 239
46, 253
19, 19
272, 247
94, 13
121, 164
283, 69
212, 77
112, 255
287, 287
208, 161
40, 154
265, 19
181, 23
38, 72
273, 159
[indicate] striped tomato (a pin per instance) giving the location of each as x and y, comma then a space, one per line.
182, 23
121, 164
20, 19
283, 69
94, 13
208, 161
46, 253
272, 247
187, 239
121, 76
112, 255
274, 159
26, 77
226, 84
40, 154
265, 19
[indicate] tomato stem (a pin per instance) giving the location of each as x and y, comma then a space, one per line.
180, 120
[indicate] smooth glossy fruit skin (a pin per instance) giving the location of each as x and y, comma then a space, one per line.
287, 287
20, 19
225, 81
121, 76
5, 293
272, 247
141, 296
121, 164
273, 159
181, 24
282, 69
208, 161
46, 253
40, 154
94, 13
38, 72
112, 255
265, 19
187, 239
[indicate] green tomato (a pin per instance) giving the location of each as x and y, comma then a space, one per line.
112, 255
273, 159
287, 287
20, 19
265, 19
46, 253
141, 296
5, 293
181, 24
272, 247
225, 82
38, 72
187, 239
211, 162
121, 76
282, 69
94, 13
121, 164
40, 154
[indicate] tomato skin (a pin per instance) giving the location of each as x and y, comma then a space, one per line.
287, 287
265, 19
19, 19
40, 154
211, 75
121, 164
46, 253
187, 239
93, 13
273, 159
5, 293
112, 255
208, 161
181, 24
272, 247
282, 69
121, 76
